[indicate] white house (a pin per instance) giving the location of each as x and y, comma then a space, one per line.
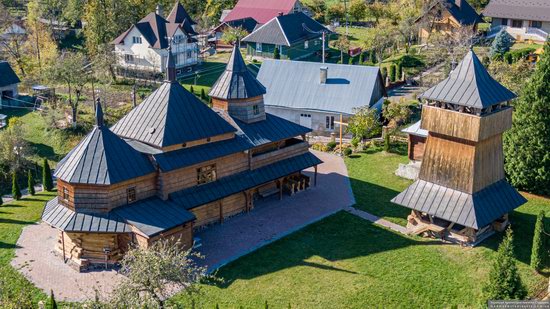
526, 20
315, 94
142, 49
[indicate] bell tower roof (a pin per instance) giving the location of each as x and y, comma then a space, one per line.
469, 85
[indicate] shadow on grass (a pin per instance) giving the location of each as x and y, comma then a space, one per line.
45, 151
12, 221
4, 245
339, 237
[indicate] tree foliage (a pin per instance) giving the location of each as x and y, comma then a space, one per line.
30, 182
396, 113
504, 280
539, 253
501, 44
276, 53
364, 123
47, 180
358, 10
527, 159
232, 35
512, 76
15, 190
150, 270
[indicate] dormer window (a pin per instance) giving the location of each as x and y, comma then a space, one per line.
65, 194
136, 39
131, 195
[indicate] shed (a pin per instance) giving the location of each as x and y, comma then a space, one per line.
416, 140
9, 82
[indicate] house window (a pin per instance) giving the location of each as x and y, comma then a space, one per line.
129, 58
131, 195
306, 44
330, 122
136, 39
189, 54
536, 24
256, 109
178, 39
259, 47
206, 174
65, 194
516, 23
504, 22
316, 42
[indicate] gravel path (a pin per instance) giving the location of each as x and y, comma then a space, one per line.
271, 219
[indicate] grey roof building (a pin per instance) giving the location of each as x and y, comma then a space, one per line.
469, 85
7, 75
236, 82
300, 85
102, 158
538, 10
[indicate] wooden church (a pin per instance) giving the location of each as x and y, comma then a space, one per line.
173, 165
461, 193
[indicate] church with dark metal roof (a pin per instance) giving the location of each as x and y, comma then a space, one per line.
173, 165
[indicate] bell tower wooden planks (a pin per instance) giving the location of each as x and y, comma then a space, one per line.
461, 193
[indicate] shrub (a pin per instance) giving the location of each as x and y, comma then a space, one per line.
409, 61
30, 183
276, 53
1, 202
399, 72
361, 58
372, 56
347, 152
350, 60
15, 191
504, 280
203, 95
508, 58
384, 73
355, 142
392, 73
331, 146
47, 180
192, 90
538, 251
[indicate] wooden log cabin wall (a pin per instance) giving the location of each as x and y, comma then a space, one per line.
171, 166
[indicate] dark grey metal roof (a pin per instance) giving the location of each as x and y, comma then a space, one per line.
296, 84
169, 161
178, 15
171, 115
203, 194
286, 30
236, 82
102, 158
67, 220
464, 13
153, 216
476, 211
469, 85
7, 75
415, 129
519, 9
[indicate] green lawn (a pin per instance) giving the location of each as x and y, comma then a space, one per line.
346, 262
13, 217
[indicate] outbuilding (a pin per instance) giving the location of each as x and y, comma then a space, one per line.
9, 82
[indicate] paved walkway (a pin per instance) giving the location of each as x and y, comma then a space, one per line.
270, 220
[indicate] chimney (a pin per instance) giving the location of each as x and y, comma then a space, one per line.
324, 75
459, 3
159, 10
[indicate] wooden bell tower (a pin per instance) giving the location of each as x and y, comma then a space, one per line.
461, 192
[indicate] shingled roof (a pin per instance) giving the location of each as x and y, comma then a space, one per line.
519, 9
171, 115
471, 210
236, 82
469, 85
102, 158
178, 15
286, 30
7, 75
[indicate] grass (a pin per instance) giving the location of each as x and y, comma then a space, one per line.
13, 217
346, 262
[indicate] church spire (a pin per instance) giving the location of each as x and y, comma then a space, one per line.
99, 121
170, 64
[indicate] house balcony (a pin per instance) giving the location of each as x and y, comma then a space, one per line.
294, 148
520, 34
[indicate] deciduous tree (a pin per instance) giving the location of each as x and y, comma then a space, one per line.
358, 10
233, 35
364, 123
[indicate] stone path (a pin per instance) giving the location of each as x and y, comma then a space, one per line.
377, 220
270, 220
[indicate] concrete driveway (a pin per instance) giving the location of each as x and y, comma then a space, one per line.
270, 220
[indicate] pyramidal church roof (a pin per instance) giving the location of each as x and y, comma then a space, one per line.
469, 85
102, 158
171, 115
237, 82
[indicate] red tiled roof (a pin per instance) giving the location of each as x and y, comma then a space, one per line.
261, 10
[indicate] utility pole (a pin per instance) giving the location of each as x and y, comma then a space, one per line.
323, 33
341, 123
347, 16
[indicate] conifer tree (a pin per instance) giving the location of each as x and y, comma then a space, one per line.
15, 191
266, 305
501, 44
504, 280
192, 90
384, 73
47, 180
392, 73
276, 53
538, 251
361, 58
52, 302
372, 56
30, 182
526, 145
203, 95
350, 60
1, 202
399, 72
